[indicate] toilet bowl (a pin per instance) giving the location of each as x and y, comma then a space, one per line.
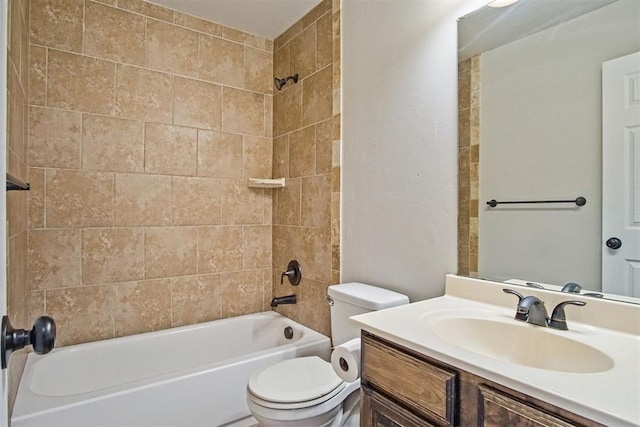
306, 391
302, 392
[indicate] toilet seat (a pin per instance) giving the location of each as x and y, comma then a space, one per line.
295, 383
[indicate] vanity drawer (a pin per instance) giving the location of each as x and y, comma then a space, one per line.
422, 386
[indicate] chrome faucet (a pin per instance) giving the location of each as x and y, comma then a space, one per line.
531, 309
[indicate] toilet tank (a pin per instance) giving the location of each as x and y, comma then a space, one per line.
350, 299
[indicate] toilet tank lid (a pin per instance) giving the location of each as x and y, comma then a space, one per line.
367, 296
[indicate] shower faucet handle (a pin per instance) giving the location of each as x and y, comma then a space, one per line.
293, 273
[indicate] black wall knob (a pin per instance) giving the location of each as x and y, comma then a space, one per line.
42, 337
614, 243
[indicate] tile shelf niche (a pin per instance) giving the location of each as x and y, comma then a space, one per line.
266, 182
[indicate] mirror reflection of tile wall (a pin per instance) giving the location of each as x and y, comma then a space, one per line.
468, 164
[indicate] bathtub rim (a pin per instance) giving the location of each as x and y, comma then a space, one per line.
29, 403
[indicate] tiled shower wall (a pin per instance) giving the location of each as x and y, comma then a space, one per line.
468, 164
306, 128
17, 92
144, 124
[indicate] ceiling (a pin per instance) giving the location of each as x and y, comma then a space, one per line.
488, 27
265, 18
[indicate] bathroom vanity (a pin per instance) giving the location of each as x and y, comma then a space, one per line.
463, 360
401, 387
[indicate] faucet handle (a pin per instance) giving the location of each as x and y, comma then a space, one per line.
511, 291
558, 318
571, 287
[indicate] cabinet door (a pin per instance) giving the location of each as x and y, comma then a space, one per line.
377, 411
428, 389
499, 410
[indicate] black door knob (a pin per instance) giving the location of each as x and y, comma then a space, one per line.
614, 243
42, 337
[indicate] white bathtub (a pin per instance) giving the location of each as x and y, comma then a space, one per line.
189, 376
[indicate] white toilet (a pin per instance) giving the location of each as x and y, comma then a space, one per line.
306, 391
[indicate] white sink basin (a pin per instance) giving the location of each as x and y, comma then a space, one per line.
521, 343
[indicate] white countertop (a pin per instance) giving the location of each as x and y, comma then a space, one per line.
611, 397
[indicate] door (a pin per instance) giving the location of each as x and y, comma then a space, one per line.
3, 199
621, 175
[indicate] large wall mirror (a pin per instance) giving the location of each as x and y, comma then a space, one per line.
532, 127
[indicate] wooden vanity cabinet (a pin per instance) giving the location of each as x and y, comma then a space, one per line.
402, 388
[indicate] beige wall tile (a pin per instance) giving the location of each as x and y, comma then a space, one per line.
303, 52
244, 38
240, 204
335, 179
268, 116
114, 34
316, 248
142, 200
197, 104
171, 48
219, 249
142, 306
281, 62
196, 299
285, 37
335, 218
324, 144
112, 255
197, 24
79, 199
258, 157
220, 154
221, 61
269, 45
16, 115
16, 211
256, 247
57, 23
78, 82
243, 112
281, 157
284, 247
242, 292
302, 152
314, 312
315, 13
37, 75
317, 97
147, 8
17, 286
258, 70
170, 252
112, 144
287, 209
54, 259
170, 149
287, 110
196, 201
143, 94
54, 138
36, 198
324, 41
316, 201
82, 314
